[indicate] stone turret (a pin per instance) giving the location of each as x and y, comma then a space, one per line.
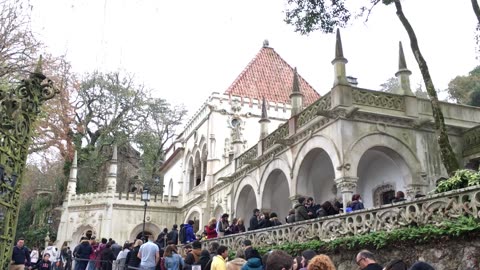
403, 74
112, 172
72, 179
339, 70
264, 121
296, 97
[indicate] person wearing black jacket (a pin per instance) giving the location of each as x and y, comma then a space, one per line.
172, 236
44, 264
107, 257
20, 256
254, 220
83, 253
132, 257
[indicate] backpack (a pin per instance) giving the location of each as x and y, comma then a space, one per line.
183, 235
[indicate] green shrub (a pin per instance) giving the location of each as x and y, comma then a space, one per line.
461, 179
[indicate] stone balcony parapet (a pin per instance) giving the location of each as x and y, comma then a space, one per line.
433, 209
122, 198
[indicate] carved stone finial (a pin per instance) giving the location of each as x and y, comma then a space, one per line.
264, 110
338, 46
266, 43
296, 84
39, 66
403, 74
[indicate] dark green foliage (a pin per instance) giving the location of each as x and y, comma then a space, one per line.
461, 179
466, 89
404, 236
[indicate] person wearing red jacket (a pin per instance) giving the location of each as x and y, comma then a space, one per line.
210, 229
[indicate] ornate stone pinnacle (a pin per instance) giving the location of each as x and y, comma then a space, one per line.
402, 64
264, 115
296, 84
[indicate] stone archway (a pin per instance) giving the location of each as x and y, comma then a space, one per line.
316, 176
194, 214
381, 167
276, 194
150, 229
246, 202
82, 231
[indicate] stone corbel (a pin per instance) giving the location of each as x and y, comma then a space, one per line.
420, 122
285, 142
253, 162
226, 179
326, 113
350, 112
346, 184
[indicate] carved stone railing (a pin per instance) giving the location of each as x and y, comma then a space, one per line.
250, 154
378, 99
428, 210
280, 133
310, 113
471, 141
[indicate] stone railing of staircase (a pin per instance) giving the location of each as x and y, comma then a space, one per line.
432, 209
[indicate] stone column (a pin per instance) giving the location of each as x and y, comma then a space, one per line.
347, 186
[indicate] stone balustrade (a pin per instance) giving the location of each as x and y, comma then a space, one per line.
432, 209
100, 198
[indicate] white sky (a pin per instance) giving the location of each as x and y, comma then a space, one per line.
185, 50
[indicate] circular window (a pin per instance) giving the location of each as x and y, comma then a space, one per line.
235, 122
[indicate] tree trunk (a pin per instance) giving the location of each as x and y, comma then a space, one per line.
446, 152
476, 9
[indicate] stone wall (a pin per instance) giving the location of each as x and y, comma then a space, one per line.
454, 254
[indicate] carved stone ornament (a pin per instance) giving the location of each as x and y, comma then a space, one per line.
428, 210
346, 184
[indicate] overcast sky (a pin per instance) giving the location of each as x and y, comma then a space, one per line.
185, 50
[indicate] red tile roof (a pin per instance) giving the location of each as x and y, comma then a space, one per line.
269, 76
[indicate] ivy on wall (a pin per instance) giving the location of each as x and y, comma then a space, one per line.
461, 179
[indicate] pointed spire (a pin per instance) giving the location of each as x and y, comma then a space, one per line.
73, 169
402, 64
39, 66
112, 173
403, 74
264, 110
338, 46
296, 84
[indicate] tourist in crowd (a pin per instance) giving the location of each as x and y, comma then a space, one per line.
116, 249
213, 247
234, 226
107, 257
83, 254
421, 266
307, 255
297, 263
327, 209
278, 260
211, 228
399, 197
194, 256
254, 220
311, 207
301, 213
247, 244
52, 250
274, 221
132, 258
223, 227
34, 255
98, 252
204, 258
357, 203
219, 261
162, 239
366, 261
122, 256
396, 264
254, 260
238, 262
67, 255
172, 236
241, 226
93, 255
189, 234
173, 261
291, 216
264, 221
20, 256
149, 255
321, 262
44, 264
182, 234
